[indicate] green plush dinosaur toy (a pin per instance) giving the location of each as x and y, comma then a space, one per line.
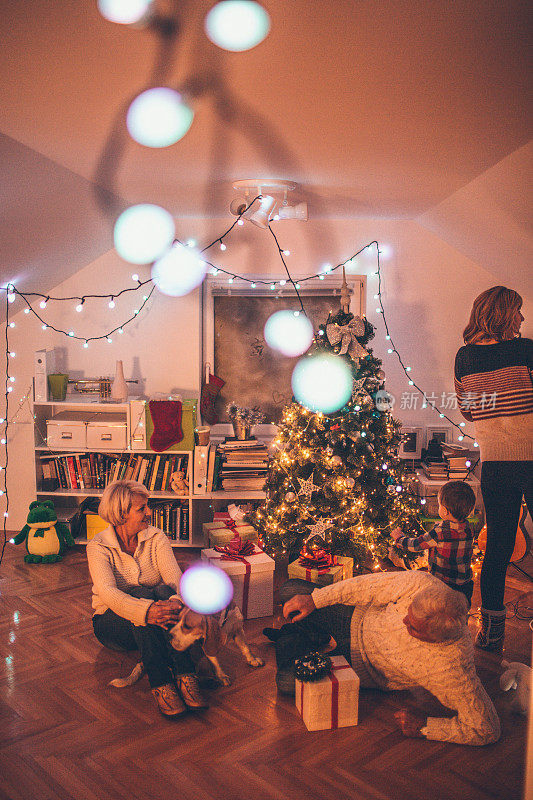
46, 538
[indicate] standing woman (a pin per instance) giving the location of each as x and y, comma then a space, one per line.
493, 382
135, 584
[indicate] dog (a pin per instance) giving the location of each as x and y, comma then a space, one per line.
212, 632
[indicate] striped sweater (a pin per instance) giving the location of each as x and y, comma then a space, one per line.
494, 388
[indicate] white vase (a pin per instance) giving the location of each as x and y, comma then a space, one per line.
119, 389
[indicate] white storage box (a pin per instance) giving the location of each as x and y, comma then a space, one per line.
67, 431
107, 432
252, 579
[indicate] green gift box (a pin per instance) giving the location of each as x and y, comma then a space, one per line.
189, 422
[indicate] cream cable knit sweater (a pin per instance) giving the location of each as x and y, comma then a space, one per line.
395, 660
113, 571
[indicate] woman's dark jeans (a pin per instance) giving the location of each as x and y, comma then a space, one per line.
117, 633
503, 484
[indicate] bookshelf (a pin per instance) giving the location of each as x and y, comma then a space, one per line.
68, 500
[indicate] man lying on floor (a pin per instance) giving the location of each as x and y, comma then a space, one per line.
399, 630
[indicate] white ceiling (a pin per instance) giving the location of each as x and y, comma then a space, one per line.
406, 109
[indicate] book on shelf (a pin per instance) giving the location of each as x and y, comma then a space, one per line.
184, 524
164, 477
238, 444
457, 462
210, 468
79, 474
85, 467
171, 517
245, 484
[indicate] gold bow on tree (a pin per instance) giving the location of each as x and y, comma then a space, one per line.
346, 335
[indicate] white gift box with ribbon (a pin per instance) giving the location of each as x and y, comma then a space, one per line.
252, 578
331, 702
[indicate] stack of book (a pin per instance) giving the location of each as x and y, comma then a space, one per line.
171, 518
454, 467
96, 470
457, 459
244, 465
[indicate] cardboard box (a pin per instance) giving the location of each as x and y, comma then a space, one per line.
94, 524
333, 701
252, 579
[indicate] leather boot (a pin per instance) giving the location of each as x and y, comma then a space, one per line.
492, 632
189, 689
168, 700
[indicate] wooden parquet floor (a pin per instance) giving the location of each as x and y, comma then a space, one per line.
66, 735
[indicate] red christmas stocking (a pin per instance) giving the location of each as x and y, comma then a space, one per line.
166, 416
210, 390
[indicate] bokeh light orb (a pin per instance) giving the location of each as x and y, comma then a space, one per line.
159, 117
322, 382
237, 25
126, 12
205, 588
180, 270
290, 332
143, 233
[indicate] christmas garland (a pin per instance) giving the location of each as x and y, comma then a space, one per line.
312, 667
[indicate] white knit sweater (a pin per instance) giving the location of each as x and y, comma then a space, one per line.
113, 571
395, 660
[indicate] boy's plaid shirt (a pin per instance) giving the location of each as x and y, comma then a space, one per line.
450, 551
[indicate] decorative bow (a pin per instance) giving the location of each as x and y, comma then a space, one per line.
230, 524
347, 336
236, 549
317, 558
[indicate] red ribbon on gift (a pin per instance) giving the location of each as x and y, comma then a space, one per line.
334, 695
236, 550
319, 559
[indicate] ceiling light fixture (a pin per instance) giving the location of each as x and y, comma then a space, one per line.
268, 208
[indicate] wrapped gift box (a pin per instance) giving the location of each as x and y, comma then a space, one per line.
252, 579
322, 577
333, 701
218, 534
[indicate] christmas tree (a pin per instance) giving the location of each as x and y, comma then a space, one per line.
338, 476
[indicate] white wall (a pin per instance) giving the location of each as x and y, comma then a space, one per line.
427, 287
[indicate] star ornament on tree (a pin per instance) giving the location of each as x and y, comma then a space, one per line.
307, 487
320, 527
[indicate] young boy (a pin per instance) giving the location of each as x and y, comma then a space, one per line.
450, 542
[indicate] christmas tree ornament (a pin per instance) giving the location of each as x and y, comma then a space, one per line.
350, 483
329, 450
290, 497
346, 336
320, 527
307, 487
336, 461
